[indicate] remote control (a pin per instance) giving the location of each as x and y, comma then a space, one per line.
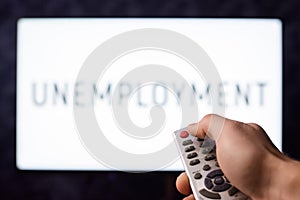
206, 178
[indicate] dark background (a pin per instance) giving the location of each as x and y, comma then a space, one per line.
16, 184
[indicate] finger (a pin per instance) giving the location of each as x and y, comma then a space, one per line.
256, 126
190, 197
262, 132
183, 184
210, 125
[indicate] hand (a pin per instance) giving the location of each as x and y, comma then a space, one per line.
249, 160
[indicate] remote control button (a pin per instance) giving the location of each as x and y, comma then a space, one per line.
200, 139
232, 191
190, 148
215, 173
184, 134
187, 142
210, 195
197, 176
205, 145
221, 188
208, 143
206, 167
219, 180
209, 157
208, 183
195, 162
192, 155
217, 164
206, 150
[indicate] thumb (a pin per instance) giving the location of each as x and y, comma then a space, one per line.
210, 125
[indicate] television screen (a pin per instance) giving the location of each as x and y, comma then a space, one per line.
86, 85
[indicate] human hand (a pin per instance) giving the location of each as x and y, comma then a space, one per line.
248, 158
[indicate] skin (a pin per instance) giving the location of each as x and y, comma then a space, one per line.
249, 160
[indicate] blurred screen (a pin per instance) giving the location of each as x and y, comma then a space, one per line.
50, 53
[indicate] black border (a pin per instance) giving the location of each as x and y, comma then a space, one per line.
39, 171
